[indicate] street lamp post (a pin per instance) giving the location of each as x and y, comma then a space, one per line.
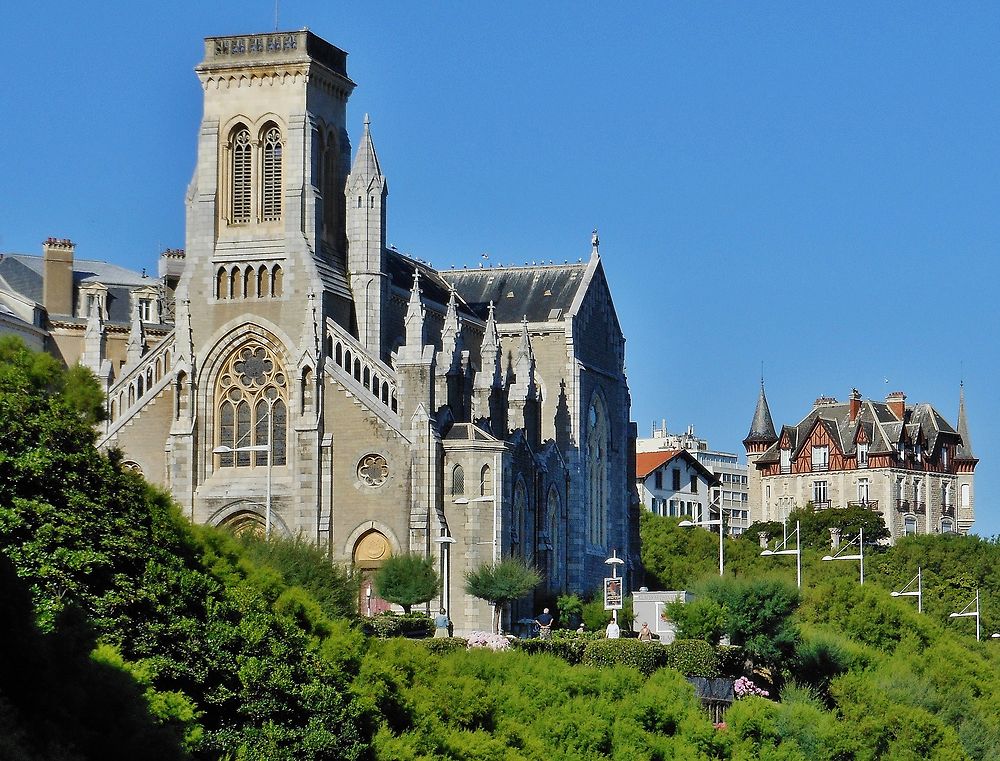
966, 613
797, 552
446, 542
860, 539
267, 500
614, 561
907, 592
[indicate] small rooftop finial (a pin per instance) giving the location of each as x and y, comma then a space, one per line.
368, 121
595, 242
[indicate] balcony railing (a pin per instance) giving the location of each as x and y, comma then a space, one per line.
821, 505
867, 504
818, 467
786, 469
906, 506
948, 511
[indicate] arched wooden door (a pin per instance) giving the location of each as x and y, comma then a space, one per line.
370, 551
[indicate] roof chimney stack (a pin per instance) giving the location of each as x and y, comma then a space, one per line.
57, 277
855, 404
896, 402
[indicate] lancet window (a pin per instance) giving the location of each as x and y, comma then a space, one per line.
252, 409
270, 205
597, 471
242, 161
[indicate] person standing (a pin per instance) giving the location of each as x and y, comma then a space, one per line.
545, 622
613, 631
645, 635
441, 624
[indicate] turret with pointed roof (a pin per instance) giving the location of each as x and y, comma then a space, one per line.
366, 215
762, 433
964, 456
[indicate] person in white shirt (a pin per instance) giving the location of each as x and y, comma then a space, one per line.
613, 631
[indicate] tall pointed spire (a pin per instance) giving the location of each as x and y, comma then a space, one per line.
524, 367
366, 161
414, 320
451, 333
136, 346
762, 433
489, 376
964, 451
366, 192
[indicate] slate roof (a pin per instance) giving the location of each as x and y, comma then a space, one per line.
762, 426
883, 430
24, 274
433, 287
540, 293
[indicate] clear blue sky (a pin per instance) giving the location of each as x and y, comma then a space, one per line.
814, 186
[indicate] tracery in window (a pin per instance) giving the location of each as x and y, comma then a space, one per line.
270, 206
240, 187
597, 471
251, 398
373, 470
458, 481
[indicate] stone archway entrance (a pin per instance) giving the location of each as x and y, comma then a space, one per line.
370, 552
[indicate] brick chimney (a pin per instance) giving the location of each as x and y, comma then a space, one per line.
896, 401
57, 277
855, 404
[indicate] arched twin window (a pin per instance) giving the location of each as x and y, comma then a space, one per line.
252, 409
250, 178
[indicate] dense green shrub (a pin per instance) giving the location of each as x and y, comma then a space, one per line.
646, 657
400, 625
732, 661
692, 657
442, 645
302, 564
596, 618
570, 650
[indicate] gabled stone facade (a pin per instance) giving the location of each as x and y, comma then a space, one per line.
376, 404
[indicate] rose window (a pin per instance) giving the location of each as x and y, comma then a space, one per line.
251, 398
373, 470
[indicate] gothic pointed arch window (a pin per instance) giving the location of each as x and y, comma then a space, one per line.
519, 512
241, 156
597, 471
252, 408
458, 481
551, 524
271, 157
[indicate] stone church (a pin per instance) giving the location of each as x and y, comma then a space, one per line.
308, 379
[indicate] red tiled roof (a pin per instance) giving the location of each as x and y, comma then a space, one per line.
647, 462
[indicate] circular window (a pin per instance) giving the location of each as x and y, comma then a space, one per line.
373, 470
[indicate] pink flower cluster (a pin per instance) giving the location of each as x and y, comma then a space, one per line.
743, 687
494, 642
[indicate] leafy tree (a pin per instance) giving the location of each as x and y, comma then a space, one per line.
570, 607
501, 583
596, 618
816, 525
408, 579
302, 564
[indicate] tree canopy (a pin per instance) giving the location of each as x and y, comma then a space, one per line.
501, 583
407, 580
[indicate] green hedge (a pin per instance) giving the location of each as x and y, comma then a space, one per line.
644, 656
445, 644
692, 657
732, 661
400, 625
570, 650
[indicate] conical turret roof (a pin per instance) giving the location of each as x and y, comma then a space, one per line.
964, 451
762, 427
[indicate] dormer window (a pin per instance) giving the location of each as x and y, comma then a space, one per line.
821, 458
786, 460
862, 455
944, 457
